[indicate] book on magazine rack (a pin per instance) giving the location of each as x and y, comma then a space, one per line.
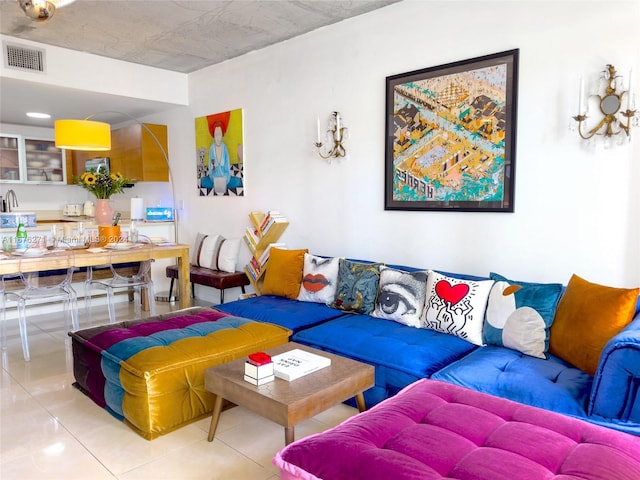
297, 363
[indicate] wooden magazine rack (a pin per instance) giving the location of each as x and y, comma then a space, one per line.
265, 230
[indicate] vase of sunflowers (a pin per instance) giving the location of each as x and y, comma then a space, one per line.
104, 212
103, 185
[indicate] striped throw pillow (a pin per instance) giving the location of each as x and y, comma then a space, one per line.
215, 252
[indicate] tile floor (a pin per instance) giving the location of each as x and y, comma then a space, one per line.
49, 430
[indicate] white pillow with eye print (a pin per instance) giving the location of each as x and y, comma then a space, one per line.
319, 279
401, 296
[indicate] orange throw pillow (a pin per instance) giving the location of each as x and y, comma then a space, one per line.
284, 273
588, 316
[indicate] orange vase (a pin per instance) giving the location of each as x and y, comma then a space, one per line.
108, 234
104, 213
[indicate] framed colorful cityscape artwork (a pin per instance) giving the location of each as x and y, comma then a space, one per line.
451, 136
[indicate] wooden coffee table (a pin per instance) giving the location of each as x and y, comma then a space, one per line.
289, 403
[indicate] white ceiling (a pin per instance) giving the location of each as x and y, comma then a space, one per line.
182, 36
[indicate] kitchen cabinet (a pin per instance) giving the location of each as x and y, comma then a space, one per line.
31, 160
44, 162
134, 153
10, 155
75, 162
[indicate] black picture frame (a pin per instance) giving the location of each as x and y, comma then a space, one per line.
450, 136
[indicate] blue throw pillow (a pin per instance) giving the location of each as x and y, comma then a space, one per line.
357, 286
519, 315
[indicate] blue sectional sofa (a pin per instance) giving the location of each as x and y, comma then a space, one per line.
404, 354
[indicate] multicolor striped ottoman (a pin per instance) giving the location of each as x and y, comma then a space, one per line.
150, 372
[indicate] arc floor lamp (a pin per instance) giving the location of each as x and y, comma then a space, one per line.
90, 135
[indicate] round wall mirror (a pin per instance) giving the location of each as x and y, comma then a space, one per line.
610, 104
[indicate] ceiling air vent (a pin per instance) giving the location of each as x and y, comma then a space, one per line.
16, 56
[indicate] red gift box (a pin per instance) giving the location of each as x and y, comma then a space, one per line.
259, 358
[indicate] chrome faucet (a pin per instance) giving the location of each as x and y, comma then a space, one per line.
11, 199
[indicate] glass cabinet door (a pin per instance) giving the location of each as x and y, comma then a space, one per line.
10, 153
44, 162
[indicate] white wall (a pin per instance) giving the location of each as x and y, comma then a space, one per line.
576, 211
71, 69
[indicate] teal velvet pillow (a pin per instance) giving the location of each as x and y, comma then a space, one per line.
357, 286
519, 315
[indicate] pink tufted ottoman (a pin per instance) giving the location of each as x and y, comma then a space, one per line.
435, 430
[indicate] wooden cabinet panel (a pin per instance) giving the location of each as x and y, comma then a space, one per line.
155, 165
134, 153
75, 162
74, 165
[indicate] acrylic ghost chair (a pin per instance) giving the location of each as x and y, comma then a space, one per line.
136, 283
34, 288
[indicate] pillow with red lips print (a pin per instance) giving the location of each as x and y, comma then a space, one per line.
319, 279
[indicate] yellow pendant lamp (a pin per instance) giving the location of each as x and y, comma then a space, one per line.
83, 135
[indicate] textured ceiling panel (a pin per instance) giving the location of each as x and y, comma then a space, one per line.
182, 36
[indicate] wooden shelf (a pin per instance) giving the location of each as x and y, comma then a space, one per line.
265, 238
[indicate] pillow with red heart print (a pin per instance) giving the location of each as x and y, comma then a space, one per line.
456, 306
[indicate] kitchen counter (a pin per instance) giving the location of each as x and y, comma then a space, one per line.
44, 220
87, 224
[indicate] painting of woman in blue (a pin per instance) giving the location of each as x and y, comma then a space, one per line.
219, 154
219, 161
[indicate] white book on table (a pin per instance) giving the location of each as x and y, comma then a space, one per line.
297, 363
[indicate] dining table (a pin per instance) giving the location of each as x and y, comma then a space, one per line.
60, 258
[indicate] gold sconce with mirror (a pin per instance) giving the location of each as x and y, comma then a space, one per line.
616, 105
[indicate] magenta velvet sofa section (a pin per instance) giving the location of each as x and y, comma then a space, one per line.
435, 430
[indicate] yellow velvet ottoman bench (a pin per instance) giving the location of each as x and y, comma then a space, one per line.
150, 373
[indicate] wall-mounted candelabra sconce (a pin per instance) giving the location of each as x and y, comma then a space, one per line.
333, 146
616, 105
